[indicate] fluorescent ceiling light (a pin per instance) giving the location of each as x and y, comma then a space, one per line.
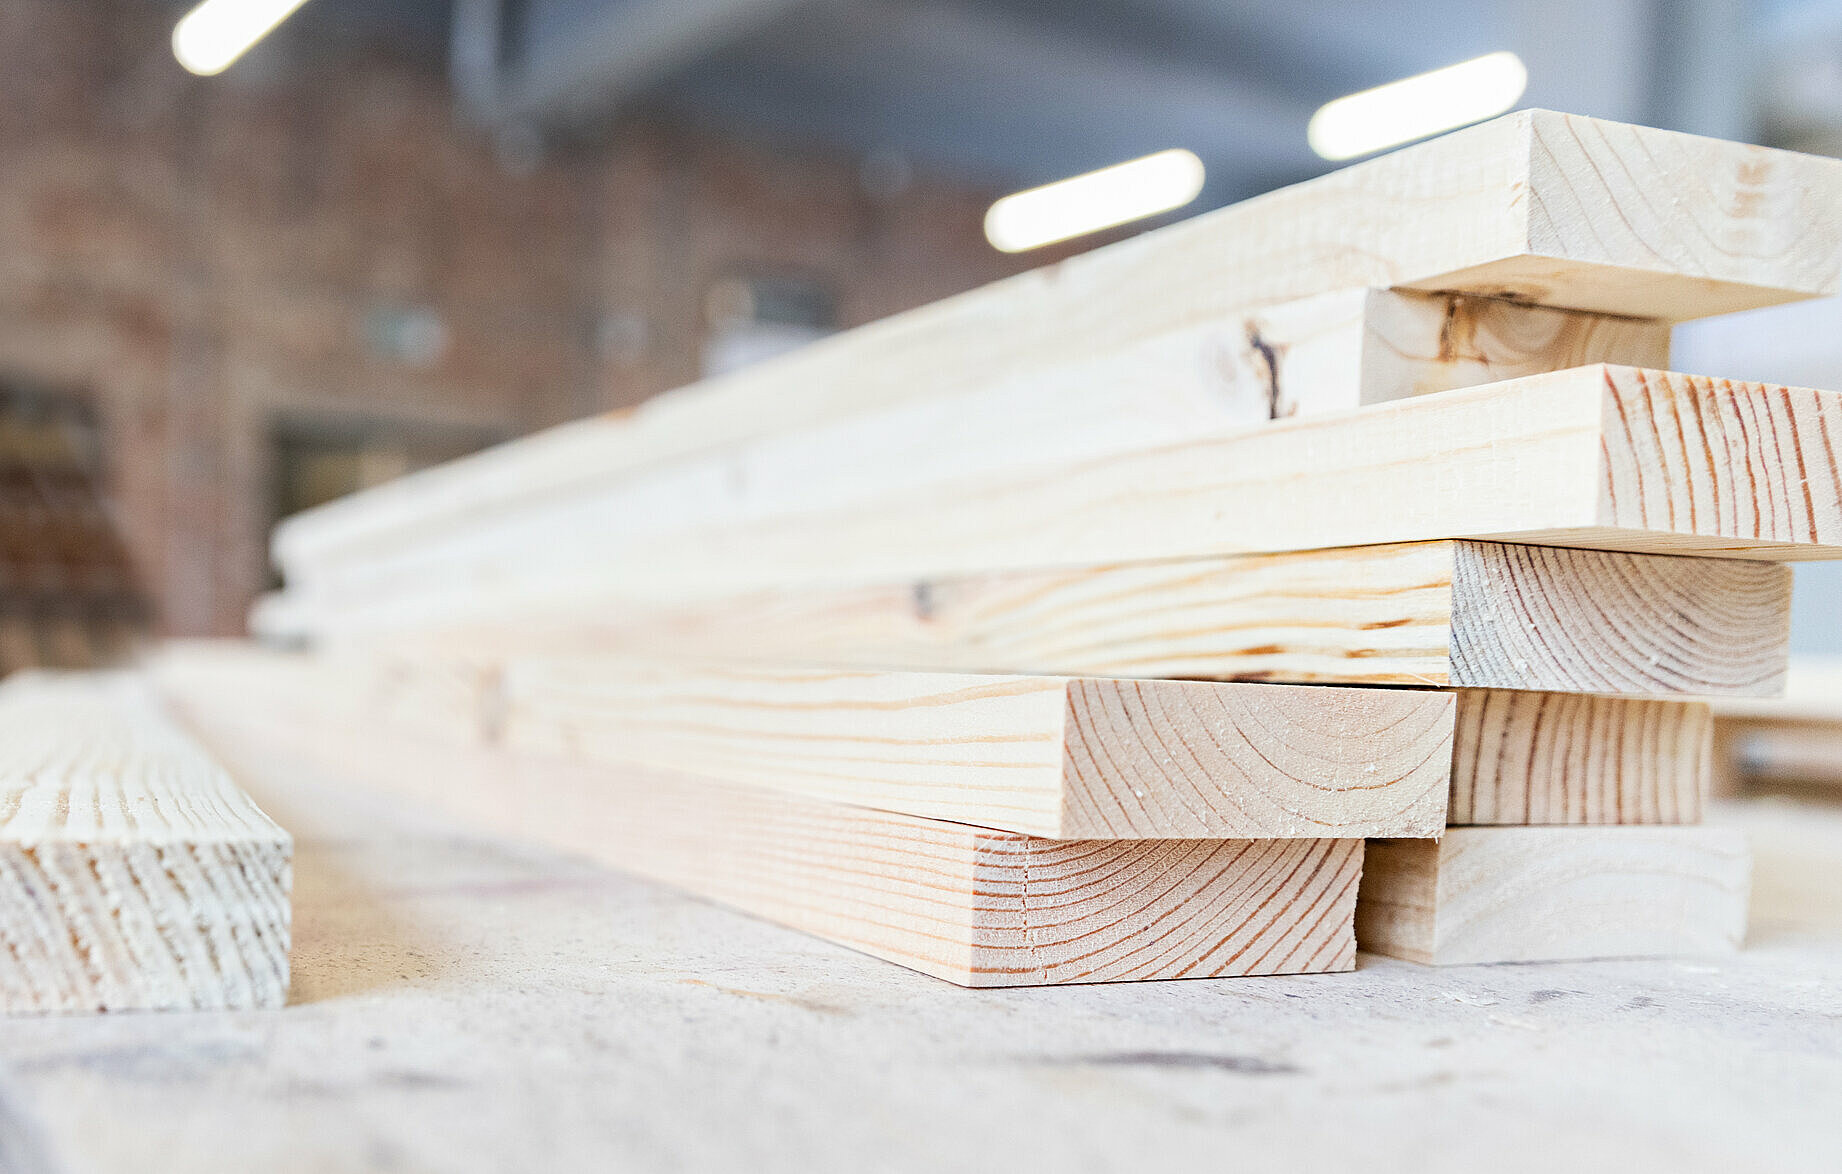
1100, 199
208, 38
1415, 107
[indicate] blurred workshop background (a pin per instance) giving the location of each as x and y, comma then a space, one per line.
394, 231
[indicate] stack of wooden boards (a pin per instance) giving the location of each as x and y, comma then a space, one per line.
134, 875
1036, 636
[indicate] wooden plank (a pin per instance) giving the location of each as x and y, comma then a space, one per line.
1599, 457
972, 906
1330, 353
1065, 758
1517, 757
1556, 758
1535, 207
1512, 894
134, 875
1470, 614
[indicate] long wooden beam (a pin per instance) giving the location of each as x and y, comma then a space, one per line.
1328, 353
1517, 757
1121, 758
1542, 894
1468, 614
1535, 207
134, 875
975, 907
1598, 457
1060, 757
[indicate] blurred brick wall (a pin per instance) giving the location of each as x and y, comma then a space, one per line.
204, 255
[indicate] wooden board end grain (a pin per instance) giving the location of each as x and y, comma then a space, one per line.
1548, 894
1559, 758
1604, 621
134, 874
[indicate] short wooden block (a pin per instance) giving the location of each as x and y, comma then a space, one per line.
1515, 894
134, 875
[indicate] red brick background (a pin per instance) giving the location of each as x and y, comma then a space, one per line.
201, 255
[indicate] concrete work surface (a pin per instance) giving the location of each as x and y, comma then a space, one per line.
462, 1004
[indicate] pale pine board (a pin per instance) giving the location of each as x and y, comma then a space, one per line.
1059, 757
1471, 614
134, 875
1599, 457
1517, 757
975, 907
1557, 758
1536, 207
1330, 353
1549, 894
1322, 354
1065, 758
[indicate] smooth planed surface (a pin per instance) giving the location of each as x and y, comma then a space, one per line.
1070, 758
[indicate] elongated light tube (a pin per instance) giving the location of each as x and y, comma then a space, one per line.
1417, 106
208, 38
1100, 199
